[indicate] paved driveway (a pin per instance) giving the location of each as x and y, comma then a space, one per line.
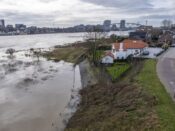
166, 71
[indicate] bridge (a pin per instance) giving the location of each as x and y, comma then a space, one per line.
128, 24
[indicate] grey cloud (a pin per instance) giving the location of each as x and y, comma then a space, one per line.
122, 3
158, 17
48, 1
27, 18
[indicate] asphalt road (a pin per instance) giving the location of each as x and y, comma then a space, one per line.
166, 71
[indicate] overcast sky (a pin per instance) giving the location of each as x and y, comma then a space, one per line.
64, 13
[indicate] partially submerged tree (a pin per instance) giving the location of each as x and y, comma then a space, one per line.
36, 52
10, 51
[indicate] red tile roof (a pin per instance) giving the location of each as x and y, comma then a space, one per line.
131, 44
109, 54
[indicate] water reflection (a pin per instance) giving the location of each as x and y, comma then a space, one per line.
36, 93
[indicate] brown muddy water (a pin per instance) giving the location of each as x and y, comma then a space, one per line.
36, 95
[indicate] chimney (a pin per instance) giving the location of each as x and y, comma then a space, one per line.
121, 47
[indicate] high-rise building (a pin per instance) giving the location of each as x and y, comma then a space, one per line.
107, 25
122, 24
2, 23
107, 22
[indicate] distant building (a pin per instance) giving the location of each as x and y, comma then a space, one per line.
2, 23
20, 26
34, 30
107, 25
2, 26
138, 35
80, 28
9, 28
89, 27
122, 24
145, 28
173, 27
114, 27
99, 27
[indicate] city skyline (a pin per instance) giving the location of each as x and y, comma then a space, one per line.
63, 13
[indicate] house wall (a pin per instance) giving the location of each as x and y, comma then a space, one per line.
107, 60
124, 54
134, 52
120, 55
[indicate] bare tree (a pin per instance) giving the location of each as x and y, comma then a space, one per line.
36, 52
94, 37
167, 23
10, 51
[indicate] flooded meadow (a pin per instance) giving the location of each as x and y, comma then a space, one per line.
36, 94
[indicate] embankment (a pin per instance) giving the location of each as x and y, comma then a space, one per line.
87, 74
137, 103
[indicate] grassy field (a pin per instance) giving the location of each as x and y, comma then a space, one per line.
165, 107
138, 102
117, 70
116, 107
69, 54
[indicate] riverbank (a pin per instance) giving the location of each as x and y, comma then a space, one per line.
69, 54
138, 102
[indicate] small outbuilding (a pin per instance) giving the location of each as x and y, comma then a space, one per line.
108, 58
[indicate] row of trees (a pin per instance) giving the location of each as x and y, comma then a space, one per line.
34, 52
167, 23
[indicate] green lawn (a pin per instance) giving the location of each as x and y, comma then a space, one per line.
117, 70
99, 54
165, 108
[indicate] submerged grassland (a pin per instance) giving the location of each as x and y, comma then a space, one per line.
68, 54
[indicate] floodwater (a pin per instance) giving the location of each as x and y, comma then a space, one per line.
38, 41
36, 95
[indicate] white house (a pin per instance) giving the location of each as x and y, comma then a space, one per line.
128, 47
108, 58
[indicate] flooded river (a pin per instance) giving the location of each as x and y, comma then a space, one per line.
36, 95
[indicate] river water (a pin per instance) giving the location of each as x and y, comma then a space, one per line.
36, 95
